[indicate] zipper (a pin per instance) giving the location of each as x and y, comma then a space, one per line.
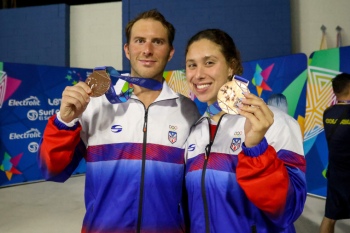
142, 183
206, 158
254, 228
204, 194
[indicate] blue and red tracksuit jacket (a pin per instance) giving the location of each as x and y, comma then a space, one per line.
134, 161
232, 188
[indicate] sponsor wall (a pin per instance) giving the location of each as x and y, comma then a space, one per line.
30, 94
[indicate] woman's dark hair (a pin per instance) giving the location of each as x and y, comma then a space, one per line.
228, 47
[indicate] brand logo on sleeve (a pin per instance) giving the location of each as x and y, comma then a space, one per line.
191, 147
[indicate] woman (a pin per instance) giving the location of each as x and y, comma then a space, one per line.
245, 172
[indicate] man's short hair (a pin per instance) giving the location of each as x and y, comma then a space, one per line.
155, 15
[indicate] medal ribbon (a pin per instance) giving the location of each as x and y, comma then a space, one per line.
343, 102
126, 90
214, 108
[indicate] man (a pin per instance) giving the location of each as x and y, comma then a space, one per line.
134, 150
337, 130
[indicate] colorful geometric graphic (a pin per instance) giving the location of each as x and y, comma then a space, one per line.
9, 165
286, 75
7, 86
261, 77
324, 65
177, 81
73, 77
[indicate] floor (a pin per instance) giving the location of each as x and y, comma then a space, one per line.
48, 207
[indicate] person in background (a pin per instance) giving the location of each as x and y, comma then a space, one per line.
278, 100
134, 150
245, 172
336, 124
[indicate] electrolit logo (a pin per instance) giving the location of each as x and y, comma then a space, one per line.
31, 101
32, 133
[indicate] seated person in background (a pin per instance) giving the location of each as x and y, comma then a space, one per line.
278, 100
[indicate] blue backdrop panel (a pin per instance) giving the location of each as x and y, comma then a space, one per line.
286, 75
260, 29
29, 95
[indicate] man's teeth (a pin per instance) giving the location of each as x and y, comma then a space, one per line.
202, 86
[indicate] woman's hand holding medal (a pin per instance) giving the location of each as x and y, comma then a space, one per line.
259, 118
234, 98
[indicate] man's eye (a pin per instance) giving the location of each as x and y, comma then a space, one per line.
158, 42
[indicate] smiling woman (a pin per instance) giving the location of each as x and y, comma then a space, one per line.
249, 165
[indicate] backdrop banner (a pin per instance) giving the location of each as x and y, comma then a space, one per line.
324, 65
30, 94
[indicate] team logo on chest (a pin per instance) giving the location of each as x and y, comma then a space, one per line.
172, 135
235, 144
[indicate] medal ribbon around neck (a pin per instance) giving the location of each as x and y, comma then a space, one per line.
343, 102
126, 90
238, 83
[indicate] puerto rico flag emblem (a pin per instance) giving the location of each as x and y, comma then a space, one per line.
235, 144
172, 137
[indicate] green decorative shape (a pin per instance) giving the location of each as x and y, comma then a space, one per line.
321, 59
1, 66
324, 172
293, 91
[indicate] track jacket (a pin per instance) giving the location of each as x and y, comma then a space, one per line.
260, 189
134, 161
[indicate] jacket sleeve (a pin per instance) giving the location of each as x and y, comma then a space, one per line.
60, 150
272, 174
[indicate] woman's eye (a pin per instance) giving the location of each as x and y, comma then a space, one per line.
191, 65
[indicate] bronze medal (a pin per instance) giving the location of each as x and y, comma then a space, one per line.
99, 82
230, 94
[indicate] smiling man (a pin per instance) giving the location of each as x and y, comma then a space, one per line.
135, 149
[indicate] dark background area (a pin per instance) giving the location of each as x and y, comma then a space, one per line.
40, 34
26, 3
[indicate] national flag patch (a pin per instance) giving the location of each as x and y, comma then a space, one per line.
235, 144
172, 137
